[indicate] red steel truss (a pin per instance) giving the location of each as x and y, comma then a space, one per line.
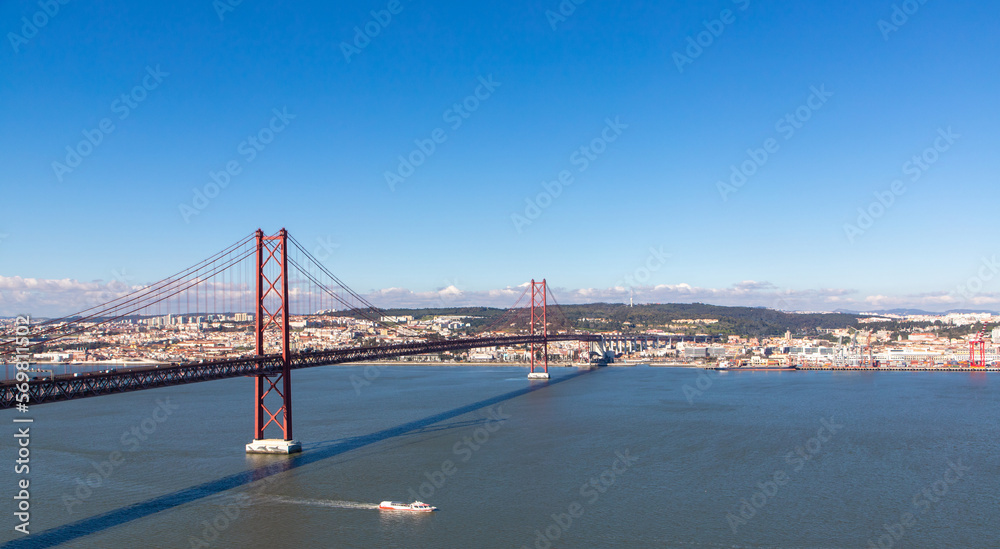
539, 322
272, 311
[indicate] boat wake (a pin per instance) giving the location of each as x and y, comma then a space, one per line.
336, 504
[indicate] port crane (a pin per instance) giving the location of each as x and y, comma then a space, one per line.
977, 349
868, 345
858, 355
865, 357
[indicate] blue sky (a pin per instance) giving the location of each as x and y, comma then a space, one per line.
212, 81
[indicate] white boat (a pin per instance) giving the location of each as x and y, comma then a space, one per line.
417, 506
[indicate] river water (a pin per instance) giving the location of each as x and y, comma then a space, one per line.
616, 457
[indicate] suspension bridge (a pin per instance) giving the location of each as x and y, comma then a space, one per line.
264, 281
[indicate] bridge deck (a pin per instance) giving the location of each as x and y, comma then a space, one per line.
76, 386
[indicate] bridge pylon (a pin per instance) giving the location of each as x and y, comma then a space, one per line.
539, 326
272, 311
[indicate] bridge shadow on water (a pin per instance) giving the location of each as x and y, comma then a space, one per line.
436, 431
324, 450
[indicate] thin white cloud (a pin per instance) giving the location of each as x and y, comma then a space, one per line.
46, 297
43, 297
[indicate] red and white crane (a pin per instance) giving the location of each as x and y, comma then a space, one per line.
977, 349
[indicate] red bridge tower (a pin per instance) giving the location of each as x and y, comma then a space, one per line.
539, 326
272, 312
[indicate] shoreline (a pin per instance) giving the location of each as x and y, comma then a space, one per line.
393, 363
523, 364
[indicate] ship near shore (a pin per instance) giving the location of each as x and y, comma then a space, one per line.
754, 366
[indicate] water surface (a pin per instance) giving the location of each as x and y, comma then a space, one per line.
619, 457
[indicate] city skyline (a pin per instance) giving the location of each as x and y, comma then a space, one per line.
445, 155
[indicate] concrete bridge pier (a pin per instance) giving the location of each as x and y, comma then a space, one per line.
274, 446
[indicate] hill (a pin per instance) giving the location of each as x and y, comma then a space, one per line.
673, 317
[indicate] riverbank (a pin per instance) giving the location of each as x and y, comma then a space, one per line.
454, 363
525, 364
392, 363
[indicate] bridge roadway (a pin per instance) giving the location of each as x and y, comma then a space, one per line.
76, 386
